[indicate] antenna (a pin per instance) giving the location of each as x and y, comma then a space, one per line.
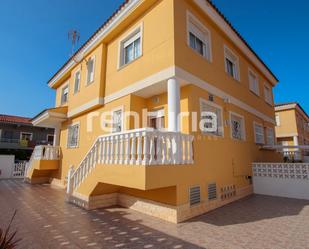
74, 36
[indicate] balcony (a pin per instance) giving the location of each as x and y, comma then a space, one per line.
44, 157
142, 159
9, 143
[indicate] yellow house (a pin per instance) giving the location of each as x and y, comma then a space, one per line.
162, 110
292, 128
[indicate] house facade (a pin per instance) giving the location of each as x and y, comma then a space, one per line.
292, 129
18, 136
162, 110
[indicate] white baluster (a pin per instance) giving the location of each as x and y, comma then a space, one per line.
108, 154
112, 155
139, 148
152, 149
127, 160
133, 149
145, 149
186, 140
191, 149
121, 153
116, 160
180, 152
104, 150
159, 149
164, 149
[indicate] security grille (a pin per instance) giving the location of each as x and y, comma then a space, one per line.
195, 195
212, 191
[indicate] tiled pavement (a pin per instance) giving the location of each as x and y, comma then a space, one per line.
44, 220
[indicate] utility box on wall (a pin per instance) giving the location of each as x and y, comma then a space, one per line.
6, 166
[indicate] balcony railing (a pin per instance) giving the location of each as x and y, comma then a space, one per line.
135, 147
46, 152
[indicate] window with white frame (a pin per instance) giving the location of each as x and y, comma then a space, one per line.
90, 70
270, 136
131, 47
73, 136
259, 133
277, 119
231, 63
199, 37
64, 94
237, 126
211, 114
26, 136
268, 95
117, 121
253, 82
77, 82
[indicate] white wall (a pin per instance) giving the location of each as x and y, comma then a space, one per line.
291, 188
6, 166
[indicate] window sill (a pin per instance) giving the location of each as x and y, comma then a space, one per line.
125, 65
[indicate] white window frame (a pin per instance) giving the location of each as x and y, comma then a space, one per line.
220, 130
254, 86
229, 54
268, 99
130, 36
25, 132
69, 146
50, 135
268, 129
91, 80
62, 92
255, 134
277, 119
120, 108
199, 30
243, 130
74, 87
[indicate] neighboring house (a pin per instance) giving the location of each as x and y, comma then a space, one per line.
292, 128
165, 57
18, 136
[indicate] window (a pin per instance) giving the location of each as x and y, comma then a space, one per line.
237, 126
277, 120
199, 37
77, 82
90, 70
131, 47
270, 136
254, 83
117, 121
64, 95
231, 63
212, 191
212, 116
259, 133
25, 136
268, 95
73, 136
50, 139
195, 195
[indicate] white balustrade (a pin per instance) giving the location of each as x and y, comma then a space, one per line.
135, 147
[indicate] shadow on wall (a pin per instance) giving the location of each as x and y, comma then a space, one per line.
251, 209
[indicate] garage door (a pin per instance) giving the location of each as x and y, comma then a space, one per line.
281, 179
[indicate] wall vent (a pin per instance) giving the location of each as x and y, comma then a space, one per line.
195, 195
228, 192
212, 191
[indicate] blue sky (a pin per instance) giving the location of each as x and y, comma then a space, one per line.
34, 44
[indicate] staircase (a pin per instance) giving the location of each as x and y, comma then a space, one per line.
134, 147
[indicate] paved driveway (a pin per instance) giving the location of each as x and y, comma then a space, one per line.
44, 220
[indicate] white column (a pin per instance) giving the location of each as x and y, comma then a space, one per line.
173, 91
295, 138
56, 136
